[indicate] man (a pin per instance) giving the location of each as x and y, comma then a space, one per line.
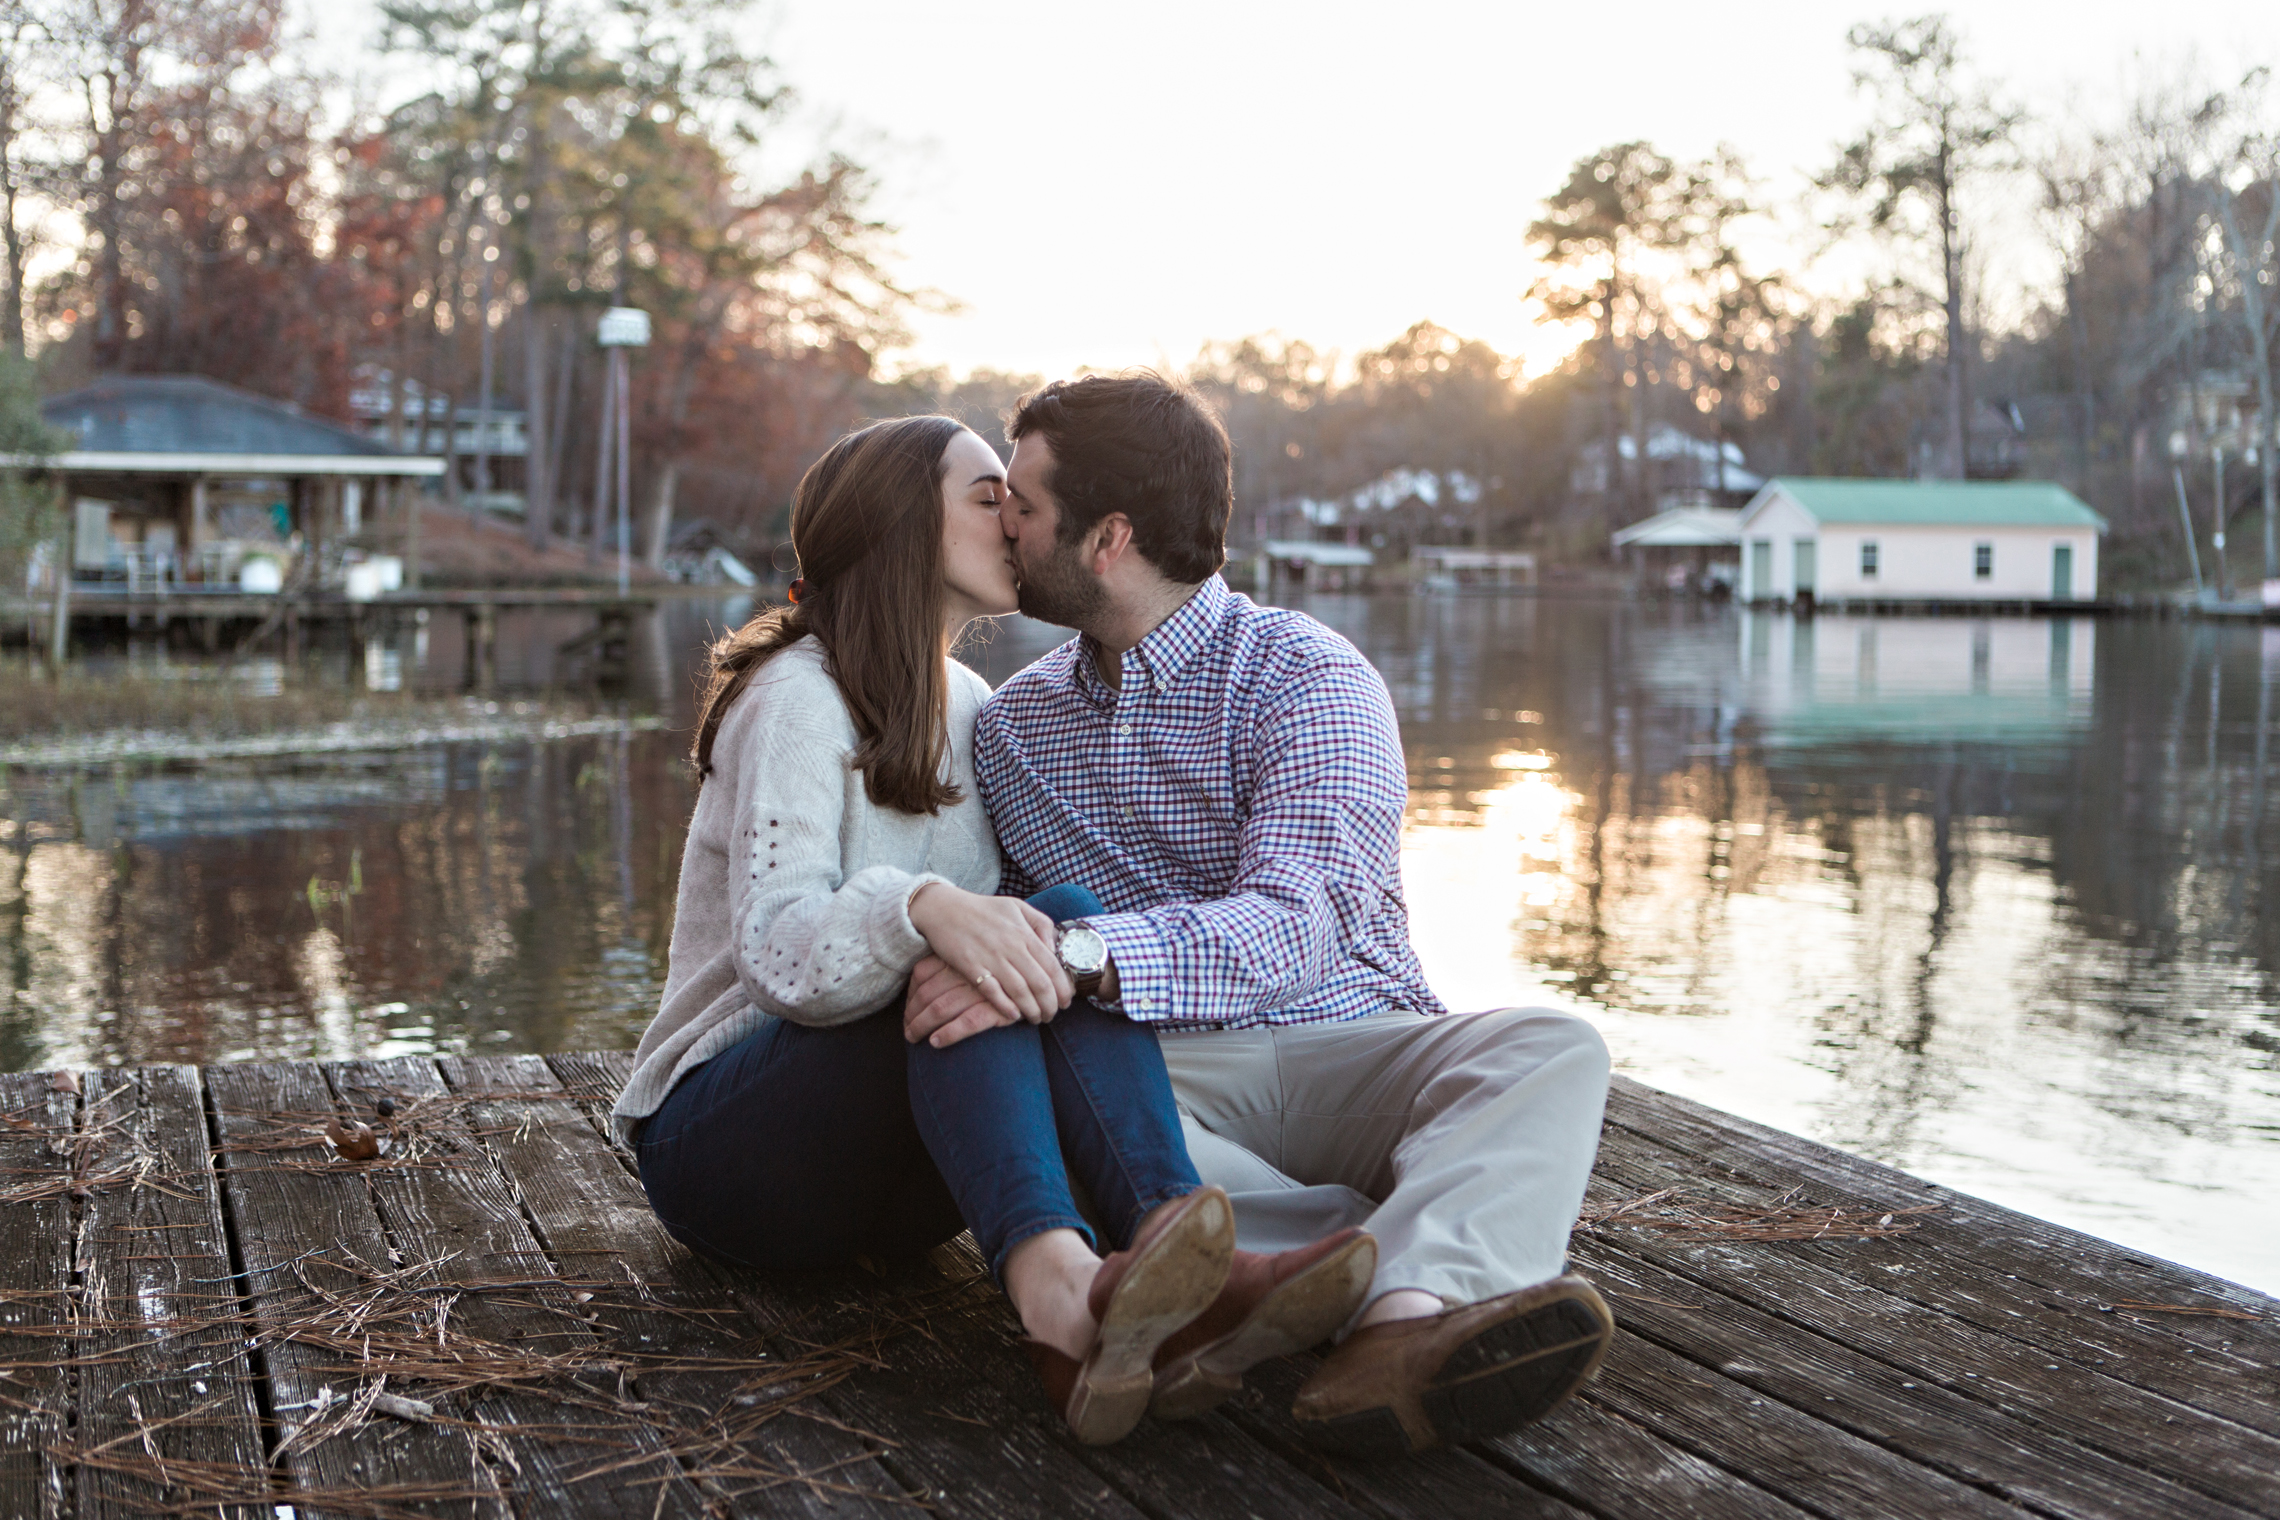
1228, 779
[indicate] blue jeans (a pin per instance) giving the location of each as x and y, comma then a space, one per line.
801, 1147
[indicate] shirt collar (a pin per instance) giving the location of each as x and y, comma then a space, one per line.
1169, 647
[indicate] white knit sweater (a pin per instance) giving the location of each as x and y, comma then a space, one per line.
795, 887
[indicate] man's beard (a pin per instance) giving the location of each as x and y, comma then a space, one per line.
1059, 590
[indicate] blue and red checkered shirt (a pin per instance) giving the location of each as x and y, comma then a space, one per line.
1236, 805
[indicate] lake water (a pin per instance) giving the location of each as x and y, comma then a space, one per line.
1985, 899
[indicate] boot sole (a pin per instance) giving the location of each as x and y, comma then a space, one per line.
1300, 1313
1508, 1376
1176, 1280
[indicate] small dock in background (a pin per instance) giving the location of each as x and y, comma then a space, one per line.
230, 621
204, 1310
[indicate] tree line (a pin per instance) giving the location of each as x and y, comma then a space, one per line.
179, 191
2138, 372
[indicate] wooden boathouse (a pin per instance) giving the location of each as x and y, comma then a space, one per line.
177, 482
206, 1309
198, 509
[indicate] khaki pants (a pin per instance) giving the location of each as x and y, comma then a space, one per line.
1462, 1142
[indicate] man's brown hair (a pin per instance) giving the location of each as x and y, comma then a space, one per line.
1138, 444
867, 526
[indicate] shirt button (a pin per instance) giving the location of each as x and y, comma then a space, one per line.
1124, 728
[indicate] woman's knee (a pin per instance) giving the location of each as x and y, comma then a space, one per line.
989, 1047
1066, 901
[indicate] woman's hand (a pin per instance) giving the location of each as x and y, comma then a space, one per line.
1000, 945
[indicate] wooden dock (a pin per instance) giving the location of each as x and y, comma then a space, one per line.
204, 1311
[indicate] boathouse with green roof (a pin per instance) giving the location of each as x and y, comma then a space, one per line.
1918, 541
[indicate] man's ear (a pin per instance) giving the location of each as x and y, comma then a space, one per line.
1110, 538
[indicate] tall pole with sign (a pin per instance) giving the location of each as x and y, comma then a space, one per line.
622, 327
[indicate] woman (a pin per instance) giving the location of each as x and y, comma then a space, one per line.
779, 1117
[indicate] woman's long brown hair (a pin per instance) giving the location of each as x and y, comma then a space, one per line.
867, 527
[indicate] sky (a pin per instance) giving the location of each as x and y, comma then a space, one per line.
1107, 185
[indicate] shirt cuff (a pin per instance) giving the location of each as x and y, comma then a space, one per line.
1143, 965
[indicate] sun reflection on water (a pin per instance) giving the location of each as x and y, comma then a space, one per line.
1977, 898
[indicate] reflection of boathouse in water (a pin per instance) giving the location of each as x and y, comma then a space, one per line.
1832, 677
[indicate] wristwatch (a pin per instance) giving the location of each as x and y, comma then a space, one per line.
1083, 954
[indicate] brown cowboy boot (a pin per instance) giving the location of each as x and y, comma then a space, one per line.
1140, 1296
1271, 1306
1476, 1370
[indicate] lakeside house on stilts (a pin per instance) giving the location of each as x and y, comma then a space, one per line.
1924, 541
181, 483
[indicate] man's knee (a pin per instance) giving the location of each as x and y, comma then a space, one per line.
1515, 1048
1580, 1040
1549, 1034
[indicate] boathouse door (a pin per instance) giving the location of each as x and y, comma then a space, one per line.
1807, 551
2062, 573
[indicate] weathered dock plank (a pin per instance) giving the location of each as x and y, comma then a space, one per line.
166, 1399
1787, 1449
35, 1283
1878, 1401
1951, 1324
450, 1215
591, 1219
1622, 1468
311, 1244
1787, 1350
1964, 1228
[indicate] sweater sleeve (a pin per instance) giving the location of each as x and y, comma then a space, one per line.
809, 945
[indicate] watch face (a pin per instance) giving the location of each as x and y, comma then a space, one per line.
1082, 950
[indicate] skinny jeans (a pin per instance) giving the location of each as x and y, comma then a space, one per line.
803, 1147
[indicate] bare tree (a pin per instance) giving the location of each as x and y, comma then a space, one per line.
2244, 189
1598, 241
1732, 316
2078, 183
24, 41
1932, 131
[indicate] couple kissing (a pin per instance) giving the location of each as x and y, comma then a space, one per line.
1110, 966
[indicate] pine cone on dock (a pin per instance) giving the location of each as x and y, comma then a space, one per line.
354, 1142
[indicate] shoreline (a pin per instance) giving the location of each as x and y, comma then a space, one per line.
124, 746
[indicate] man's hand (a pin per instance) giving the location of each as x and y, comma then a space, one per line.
943, 1008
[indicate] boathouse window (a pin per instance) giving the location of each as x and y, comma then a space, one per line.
1868, 559
1982, 561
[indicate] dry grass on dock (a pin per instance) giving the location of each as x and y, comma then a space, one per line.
206, 1310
